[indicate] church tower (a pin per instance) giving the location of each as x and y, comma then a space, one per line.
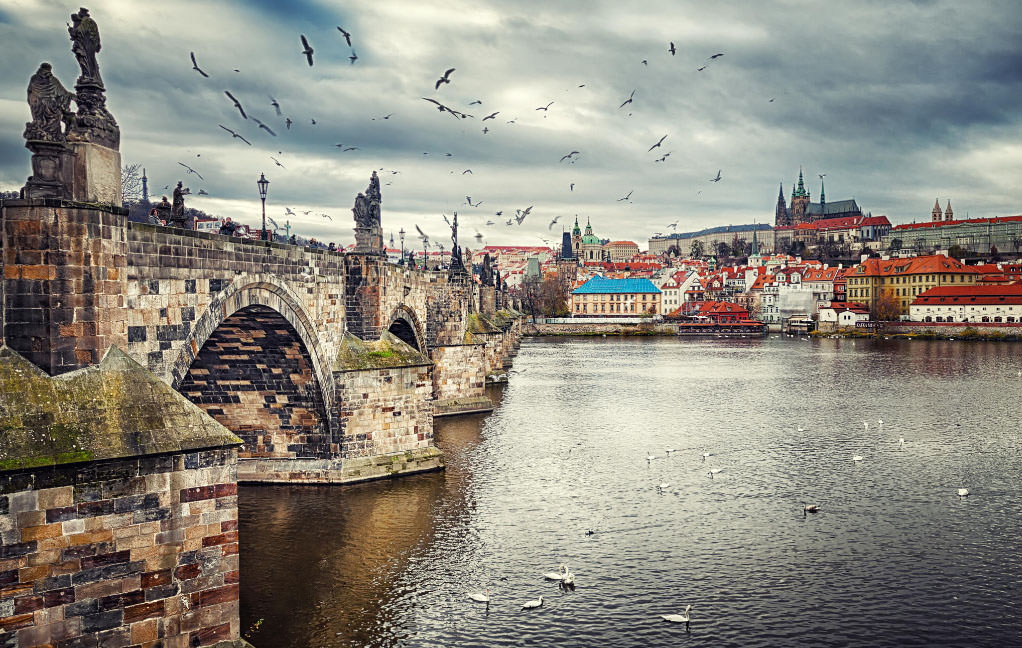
936, 215
576, 239
781, 211
145, 187
948, 214
800, 202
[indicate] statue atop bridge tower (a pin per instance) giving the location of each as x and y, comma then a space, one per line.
368, 231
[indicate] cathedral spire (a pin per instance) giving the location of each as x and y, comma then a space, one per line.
801, 191
823, 197
948, 214
936, 215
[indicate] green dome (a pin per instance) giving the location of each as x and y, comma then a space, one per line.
590, 240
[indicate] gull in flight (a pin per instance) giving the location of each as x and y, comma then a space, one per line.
237, 104
276, 106
308, 49
553, 222
657, 145
195, 66
569, 156
191, 170
446, 78
546, 107
235, 134
717, 179
627, 197
627, 101
347, 36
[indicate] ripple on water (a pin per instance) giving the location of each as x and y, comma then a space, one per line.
893, 558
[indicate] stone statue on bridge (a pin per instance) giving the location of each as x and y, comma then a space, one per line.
50, 104
85, 38
177, 211
368, 231
486, 274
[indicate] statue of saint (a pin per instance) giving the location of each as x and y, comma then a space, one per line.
50, 104
85, 38
361, 211
163, 211
454, 231
177, 211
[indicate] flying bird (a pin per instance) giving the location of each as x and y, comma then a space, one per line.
191, 170
387, 116
273, 222
326, 216
546, 107
489, 222
627, 197
195, 66
202, 192
717, 179
288, 212
485, 130
276, 106
663, 158
671, 49
288, 122
467, 171
235, 134
627, 101
473, 103
673, 226
237, 104
716, 56
350, 148
657, 145
308, 49
571, 187
347, 36
700, 69
313, 121
491, 115
469, 199
443, 108
569, 156
446, 78
553, 222
264, 127
353, 57
277, 162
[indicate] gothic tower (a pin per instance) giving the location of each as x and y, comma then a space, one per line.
576, 239
781, 211
145, 187
948, 214
799, 202
935, 215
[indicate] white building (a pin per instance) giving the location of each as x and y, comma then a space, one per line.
968, 303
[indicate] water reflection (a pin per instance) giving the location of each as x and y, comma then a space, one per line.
893, 558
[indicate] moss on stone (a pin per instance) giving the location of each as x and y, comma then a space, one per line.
112, 410
356, 354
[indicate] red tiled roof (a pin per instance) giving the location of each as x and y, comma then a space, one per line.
1009, 294
934, 263
931, 224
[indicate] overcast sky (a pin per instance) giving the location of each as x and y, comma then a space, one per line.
897, 102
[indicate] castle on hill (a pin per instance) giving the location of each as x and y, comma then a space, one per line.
803, 210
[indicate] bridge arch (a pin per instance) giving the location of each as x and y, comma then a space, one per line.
405, 324
266, 308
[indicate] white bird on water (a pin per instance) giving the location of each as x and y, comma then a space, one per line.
705, 455
670, 450
901, 442
557, 575
479, 597
801, 429
714, 471
662, 486
866, 425
857, 458
650, 457
568, 580
963, 492
529, 605
678, 618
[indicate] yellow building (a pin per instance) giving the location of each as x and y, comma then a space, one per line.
899, 281
615, 298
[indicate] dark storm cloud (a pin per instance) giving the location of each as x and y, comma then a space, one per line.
896, 102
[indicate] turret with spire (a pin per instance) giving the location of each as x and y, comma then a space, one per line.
781, 211
936, 214
823, 198
948, 213
800, 201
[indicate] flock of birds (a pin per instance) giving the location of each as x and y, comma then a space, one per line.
445, 79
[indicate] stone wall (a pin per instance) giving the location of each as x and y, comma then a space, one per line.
64, 281
459, 379
599, 329
122, 552
385, 410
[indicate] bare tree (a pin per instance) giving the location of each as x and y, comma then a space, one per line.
131, 183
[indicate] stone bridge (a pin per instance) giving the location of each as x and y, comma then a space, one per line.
322, 362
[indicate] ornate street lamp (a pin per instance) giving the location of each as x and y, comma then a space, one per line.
263, 185
401, 233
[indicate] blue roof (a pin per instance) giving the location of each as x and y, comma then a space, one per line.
602, 286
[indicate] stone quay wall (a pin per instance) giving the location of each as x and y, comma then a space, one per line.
596, 328
140, 551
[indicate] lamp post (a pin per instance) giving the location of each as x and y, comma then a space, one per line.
263, 185
401, 233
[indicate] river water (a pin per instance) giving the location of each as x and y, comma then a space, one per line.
893, 558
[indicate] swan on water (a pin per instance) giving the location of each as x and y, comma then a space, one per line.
801, 429
529, 605
714, 471
557, 575
678, 618
963, 492
662, 486
670, 450
809, 508
901, 442
650, 457
857, 458
479, 597
706, 454
568, 580
865, 424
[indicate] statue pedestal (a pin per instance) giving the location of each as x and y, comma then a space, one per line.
52, 170
369, 240
97, 174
